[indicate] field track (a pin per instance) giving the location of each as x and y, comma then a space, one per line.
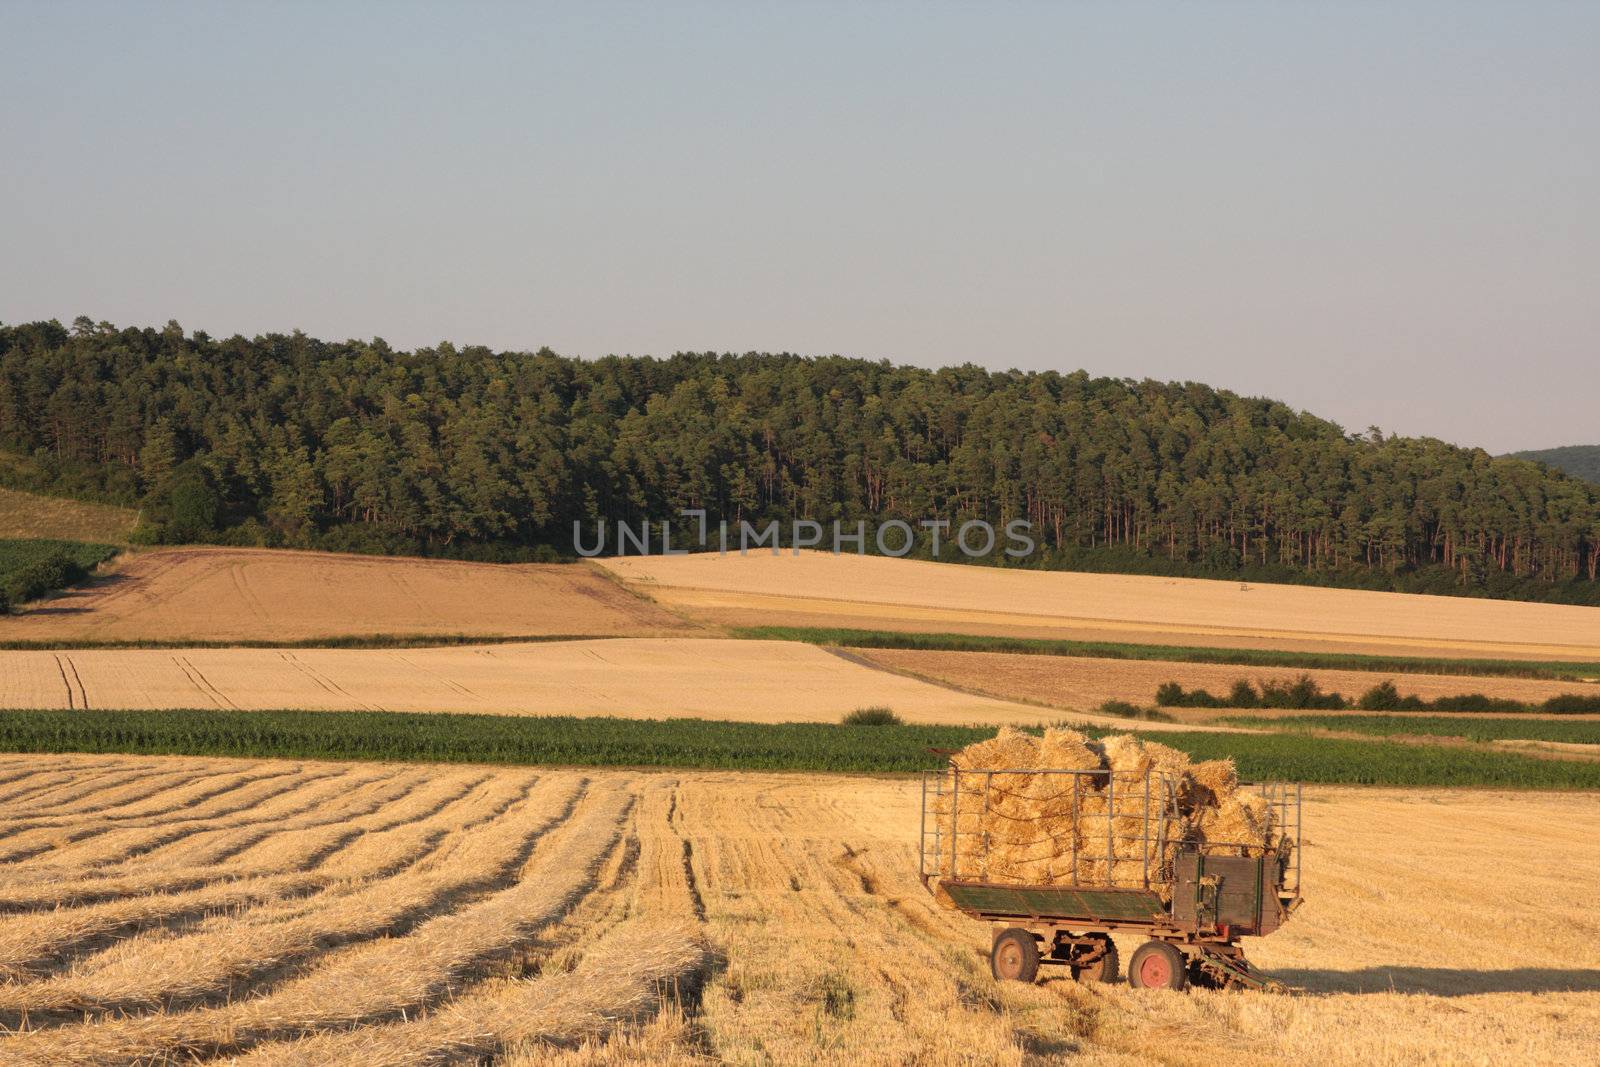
757, 681
821, 590
278, 913
230, 594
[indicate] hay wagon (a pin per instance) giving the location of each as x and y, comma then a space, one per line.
1105, 852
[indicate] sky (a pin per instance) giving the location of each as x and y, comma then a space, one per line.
1385, 214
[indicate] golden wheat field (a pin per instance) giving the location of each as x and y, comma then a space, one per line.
163, 910
754, 681
230, 594
1084, 683
821, 589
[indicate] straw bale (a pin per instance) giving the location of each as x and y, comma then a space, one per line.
1044, 828
1243, 818
1214, 779
1010, 748
1069, 750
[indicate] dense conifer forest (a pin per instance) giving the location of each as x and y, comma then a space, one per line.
287, 440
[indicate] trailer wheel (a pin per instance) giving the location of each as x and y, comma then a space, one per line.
1015, 956
1103, 969
1157, 965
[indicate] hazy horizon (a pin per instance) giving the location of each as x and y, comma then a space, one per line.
1383, 216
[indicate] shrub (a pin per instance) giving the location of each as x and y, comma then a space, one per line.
1476, 702
195, 505
1381, 697
873, 717
1243, 695
1173, 695
1302, 694
1385, 697
1572, 704
30, 568
1124, 710
185, 506
34, 580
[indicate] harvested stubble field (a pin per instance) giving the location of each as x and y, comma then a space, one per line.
1082, 683
277, 595
820, 589
274, 912
757, 681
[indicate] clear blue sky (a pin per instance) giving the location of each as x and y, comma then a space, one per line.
1383, 213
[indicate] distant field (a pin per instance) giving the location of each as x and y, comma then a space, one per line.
289, 913
845, 637
1086, 683
820, 589
221, 594
27, 515
774, 681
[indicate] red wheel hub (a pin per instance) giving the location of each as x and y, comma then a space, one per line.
1155, 972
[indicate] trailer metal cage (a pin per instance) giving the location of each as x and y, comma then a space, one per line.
1059, 859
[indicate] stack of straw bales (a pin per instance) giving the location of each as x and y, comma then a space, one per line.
1041, 828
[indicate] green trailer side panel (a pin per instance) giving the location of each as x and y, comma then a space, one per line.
1056, 902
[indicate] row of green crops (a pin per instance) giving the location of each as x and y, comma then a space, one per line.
1243, 657
1577, 733
31, 568
701, 743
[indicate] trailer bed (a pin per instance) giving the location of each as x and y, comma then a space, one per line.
1057, 903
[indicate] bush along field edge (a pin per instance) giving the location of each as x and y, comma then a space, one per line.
30, 569
1304, 694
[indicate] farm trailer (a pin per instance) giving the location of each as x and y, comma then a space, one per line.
1118, 862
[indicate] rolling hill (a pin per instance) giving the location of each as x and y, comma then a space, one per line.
286, 440
1580, 461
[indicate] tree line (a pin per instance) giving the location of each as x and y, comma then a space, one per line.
286, 439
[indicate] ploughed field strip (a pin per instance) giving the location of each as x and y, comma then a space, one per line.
162, 910
278, 595
819, 589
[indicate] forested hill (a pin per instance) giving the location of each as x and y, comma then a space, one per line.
1580, 461
284, 439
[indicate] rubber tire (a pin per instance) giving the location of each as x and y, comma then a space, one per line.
1014, 956
1103, 969
1144, 959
